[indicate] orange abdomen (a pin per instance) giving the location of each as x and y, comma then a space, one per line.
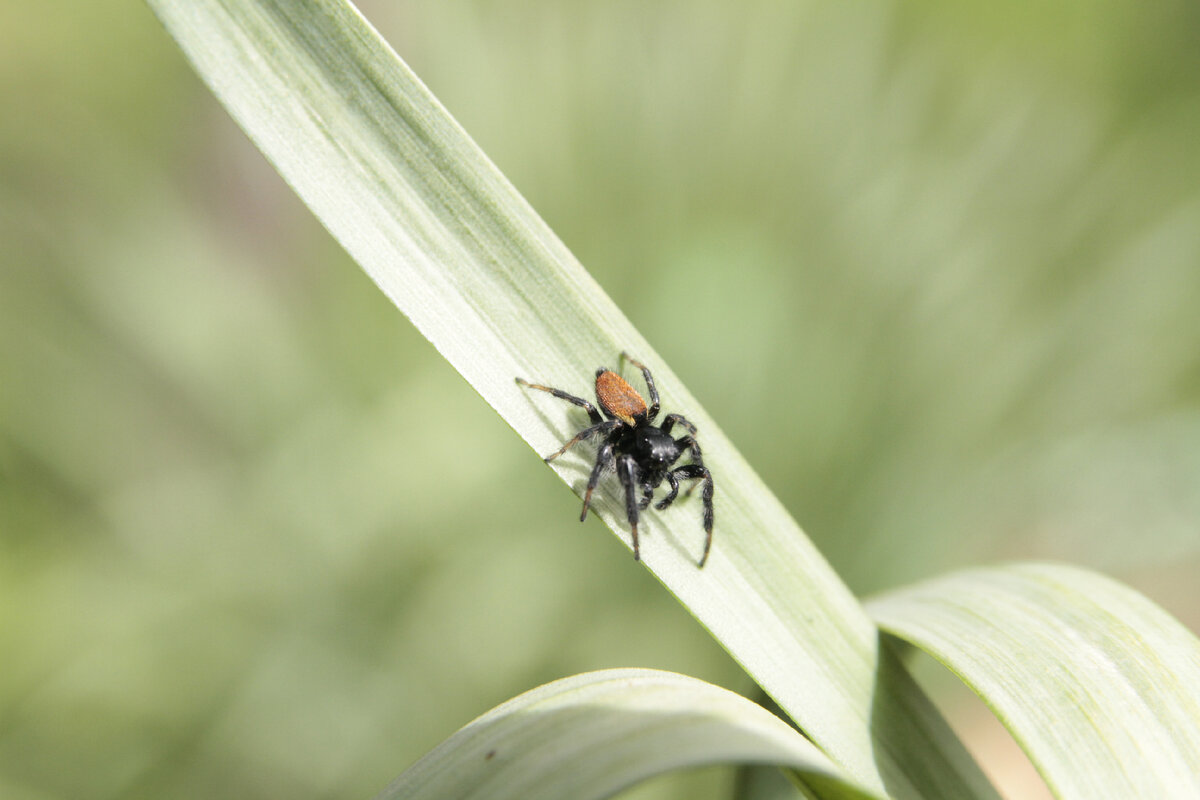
618, 397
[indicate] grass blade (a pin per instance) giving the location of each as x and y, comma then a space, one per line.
413, 200
592, 735
1099, 685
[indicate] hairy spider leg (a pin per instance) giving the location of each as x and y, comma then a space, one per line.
627, 471
604, 427
599, 424
671, 495
647, 496
603, 459
570, 398
700, 472
671, 420
684, 443
688, 443
652, 412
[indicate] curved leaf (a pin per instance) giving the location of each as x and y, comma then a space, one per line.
1100, 686
592, 735
410, 196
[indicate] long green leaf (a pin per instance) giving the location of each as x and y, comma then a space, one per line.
409, 195
591, 735
1099, 685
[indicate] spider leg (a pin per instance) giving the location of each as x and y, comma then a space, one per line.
700, 472
647, 496
603, 458
696, 457
671, 420
627, 471
671, 495
652, 412
586, 433
690, 444
570, 398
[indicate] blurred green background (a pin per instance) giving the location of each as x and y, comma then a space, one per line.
934, 266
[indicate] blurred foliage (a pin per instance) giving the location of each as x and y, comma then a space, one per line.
935, 266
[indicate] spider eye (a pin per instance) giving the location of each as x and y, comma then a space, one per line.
658, 450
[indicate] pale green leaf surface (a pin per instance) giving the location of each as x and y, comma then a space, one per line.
592, 735
413, 200
1099, 685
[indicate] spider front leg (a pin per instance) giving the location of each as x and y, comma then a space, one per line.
647, 496
627, 471
692, 446
671, 420
671, 495
700, 472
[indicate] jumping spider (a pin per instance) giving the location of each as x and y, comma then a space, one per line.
642, 452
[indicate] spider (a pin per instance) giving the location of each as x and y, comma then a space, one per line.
643, 453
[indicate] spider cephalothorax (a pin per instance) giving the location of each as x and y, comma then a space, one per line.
643, 454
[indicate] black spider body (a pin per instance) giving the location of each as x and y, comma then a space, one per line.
642, 453
654, 451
